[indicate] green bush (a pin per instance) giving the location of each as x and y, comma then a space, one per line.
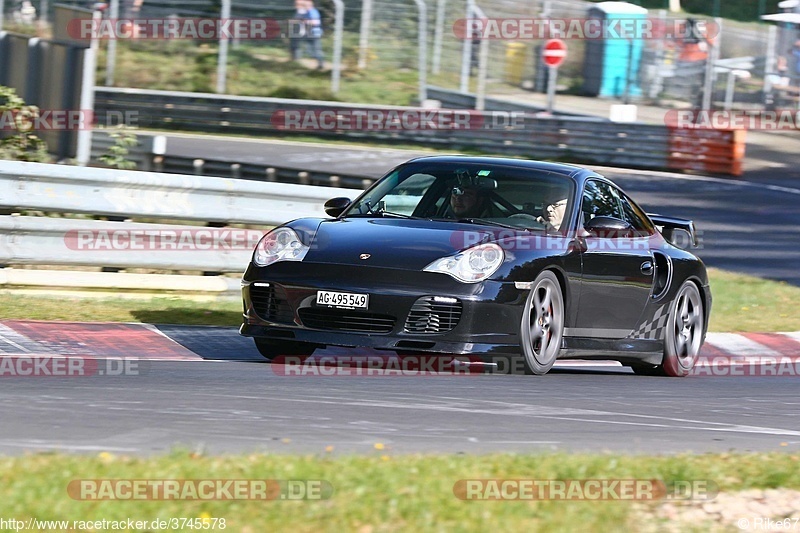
21, 144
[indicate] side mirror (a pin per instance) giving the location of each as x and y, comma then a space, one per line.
335, 206
608, 228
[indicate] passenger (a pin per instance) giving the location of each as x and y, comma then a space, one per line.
467, 202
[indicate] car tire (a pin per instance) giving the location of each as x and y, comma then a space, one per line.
270, 349
684, 333
542, 325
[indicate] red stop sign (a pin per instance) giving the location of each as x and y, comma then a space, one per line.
554, 52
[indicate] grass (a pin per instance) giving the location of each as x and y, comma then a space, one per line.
156, 310
253, 70
747, 303
381, 492
741, 303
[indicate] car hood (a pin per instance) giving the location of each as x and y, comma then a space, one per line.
390, 242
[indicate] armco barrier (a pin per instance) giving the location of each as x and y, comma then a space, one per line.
577, 139
453, 99
76, 242
97, 191
26, 240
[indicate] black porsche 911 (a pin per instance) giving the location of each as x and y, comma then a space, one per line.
494, 258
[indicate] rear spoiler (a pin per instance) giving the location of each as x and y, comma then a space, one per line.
669, 224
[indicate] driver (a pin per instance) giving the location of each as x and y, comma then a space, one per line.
553, 212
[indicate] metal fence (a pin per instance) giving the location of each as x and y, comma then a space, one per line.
661, 74
385, 35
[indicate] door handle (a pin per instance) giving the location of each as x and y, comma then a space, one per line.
647, 268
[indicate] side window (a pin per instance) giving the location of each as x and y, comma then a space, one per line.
633, 214
599, 200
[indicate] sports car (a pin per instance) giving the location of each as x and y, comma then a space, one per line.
498, 259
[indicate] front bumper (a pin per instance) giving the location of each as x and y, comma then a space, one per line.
489, 322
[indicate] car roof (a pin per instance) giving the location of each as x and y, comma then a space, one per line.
573, 171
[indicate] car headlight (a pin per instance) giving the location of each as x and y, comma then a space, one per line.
281, 244
472, 265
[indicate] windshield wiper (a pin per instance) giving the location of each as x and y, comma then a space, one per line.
395, 215
379, 208
387, 214
492, 223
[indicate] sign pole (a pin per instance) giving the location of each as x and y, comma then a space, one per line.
222, 55
552, 74
554, 52
84, 146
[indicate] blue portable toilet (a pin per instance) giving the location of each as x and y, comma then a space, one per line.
608, 58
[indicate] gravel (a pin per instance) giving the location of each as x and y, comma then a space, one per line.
748, 510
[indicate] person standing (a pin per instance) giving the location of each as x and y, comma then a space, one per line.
314, 33
794, 60
297, 28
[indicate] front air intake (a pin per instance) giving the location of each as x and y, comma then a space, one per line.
270, 303
433, 314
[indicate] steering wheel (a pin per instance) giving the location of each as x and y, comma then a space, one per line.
525, 216
529, 219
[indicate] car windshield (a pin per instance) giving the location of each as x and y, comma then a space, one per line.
495, 195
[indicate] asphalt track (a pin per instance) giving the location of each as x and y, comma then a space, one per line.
206, 388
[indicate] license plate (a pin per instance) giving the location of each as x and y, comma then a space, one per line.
344, 300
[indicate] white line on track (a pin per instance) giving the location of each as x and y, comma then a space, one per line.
65, 447
537, 412
7, 334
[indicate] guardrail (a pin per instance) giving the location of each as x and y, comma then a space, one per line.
26, 240
453, 99
75, 242
576, 139
97, 191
